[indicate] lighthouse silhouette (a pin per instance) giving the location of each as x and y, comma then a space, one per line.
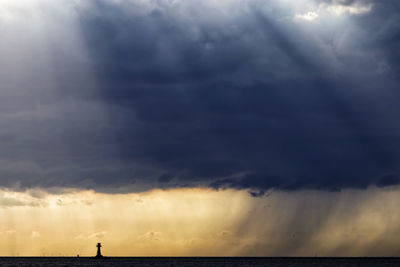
98, 255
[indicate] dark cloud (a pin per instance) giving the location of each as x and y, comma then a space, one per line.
165, 178
253, 99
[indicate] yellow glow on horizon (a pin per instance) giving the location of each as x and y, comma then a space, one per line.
155, 223
200, 222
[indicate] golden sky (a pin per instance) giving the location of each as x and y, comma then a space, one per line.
201, 222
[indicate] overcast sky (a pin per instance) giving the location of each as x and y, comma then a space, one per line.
126, 96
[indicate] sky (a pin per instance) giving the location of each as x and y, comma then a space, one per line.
212, 128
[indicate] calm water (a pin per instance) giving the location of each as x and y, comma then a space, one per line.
65, 261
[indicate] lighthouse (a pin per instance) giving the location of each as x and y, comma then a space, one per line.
98, 255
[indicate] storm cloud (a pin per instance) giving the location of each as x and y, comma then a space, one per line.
256, 95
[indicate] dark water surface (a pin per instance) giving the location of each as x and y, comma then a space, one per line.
195, 261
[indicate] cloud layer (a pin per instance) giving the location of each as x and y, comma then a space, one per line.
132, 95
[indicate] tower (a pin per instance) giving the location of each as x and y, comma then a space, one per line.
99, 251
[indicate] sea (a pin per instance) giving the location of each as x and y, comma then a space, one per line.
196, 261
